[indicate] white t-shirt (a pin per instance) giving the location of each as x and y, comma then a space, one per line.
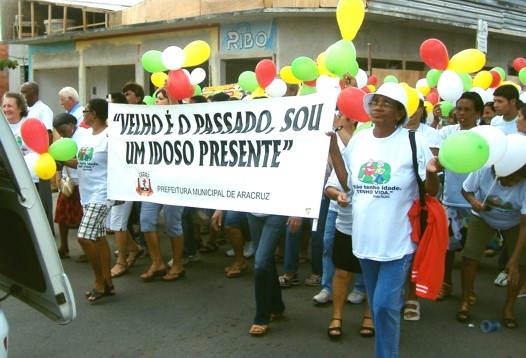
42, 112
344, 218
506, 204
430, 135
77, 137
384, 188
92, 167
507, 127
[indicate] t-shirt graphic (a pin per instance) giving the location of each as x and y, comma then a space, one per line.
494, 201
85, 154
375, 172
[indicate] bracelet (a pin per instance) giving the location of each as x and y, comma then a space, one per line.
337, 128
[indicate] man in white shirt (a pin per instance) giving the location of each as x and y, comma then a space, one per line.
506, 98
70, 101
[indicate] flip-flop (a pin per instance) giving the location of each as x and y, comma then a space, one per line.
258, 329
410, 313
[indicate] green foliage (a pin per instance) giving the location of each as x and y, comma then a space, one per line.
10, 64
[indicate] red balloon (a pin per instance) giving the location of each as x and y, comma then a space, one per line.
496, 79
366, 89
372, 80
265, 72
311, 83
518, 64
178, 85
34, 134
434, 54
432, 97
350, 103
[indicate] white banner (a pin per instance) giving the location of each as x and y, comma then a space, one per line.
263, 156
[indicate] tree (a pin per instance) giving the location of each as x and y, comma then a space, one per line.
10, 64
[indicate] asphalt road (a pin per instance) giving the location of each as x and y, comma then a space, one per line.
208, 315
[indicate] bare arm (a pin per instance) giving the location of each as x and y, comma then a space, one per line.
337, 161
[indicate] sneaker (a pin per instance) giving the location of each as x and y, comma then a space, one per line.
502, 279
323, 297
313, 280
248, 251
230, 253
356, 297
284, 281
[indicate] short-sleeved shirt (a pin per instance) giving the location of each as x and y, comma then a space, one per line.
506, 126
92, 169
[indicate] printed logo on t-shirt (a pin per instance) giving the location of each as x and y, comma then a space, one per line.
375, 172
495, 202
85, 154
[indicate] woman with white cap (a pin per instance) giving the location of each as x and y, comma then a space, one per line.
381, 228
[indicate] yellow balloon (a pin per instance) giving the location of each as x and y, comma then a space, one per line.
424, 90
428, 106
467, 61
45, 166
350, 14
158, 79
196, 53
482, 79
510, 83
371, 88
412, 100
258, 92
322, 67
287, 76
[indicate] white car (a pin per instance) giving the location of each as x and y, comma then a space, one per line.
30, 267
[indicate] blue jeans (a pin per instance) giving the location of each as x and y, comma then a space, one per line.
293, 245
328, 241
385, 284
266, 232
316, 241
359, 283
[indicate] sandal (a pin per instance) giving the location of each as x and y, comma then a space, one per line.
510, 322
149, 276
63, 254
258, 329
208, 248
472, 298
463, 312
445, 290
367, 331
285, 281
118, 273
412, 310
173, 276
133, 255
335, 332
236, 270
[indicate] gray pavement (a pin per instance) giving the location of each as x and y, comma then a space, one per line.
208, 315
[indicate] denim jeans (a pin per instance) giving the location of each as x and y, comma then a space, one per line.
266, 232
293, 245
316, 241
328, 241
359, 283
385, 284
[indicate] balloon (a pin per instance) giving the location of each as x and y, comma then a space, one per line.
496, 140
467, 82
197, 90
483, 94
178, 85
31, 161
353, 71
350, 14
522, 97
462, 145
196, 53
305, 90
361, 78
482, 79
362, 126
468, 61
412, 100
501, 72
434, 54
63, 149
432, 77
432, 97
518, 64
248, 82
197, 76
446, 107
340, 57
265, 72
450, 86
421, 83
173, 57
258, 92
496, 79
151, 61
350, 103
149, 100
371, 88
429, 108
34, 134
372, 80
277, 88
287, 75
304, 68
158, 79
390, 78
326, 83
45, 166
522, 76
514, 157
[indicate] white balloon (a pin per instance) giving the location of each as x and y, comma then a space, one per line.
482, 93
31, 161
277, 88
489, 94
514, 158
361, 78
522, 97
450, 86
187, 73
197, 76
421, 83
326, 83
496, 140
173, 57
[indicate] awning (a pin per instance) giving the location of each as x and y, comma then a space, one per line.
101, 5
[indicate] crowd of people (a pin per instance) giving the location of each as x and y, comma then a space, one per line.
344, 244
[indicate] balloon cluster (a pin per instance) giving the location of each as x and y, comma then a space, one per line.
41, 162
263, 80
178, 81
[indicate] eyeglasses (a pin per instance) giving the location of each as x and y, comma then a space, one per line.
384, 104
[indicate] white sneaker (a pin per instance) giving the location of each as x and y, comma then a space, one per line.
248, 251
356, 297
502, 279
230, 253
323, 297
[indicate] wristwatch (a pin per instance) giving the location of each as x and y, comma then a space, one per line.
337, 128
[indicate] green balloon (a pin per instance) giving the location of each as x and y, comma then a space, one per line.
340, 58
305, 90
247, 80
390, 78
149, 100
363, 126
522, 76
464, 152
467, 81
305, 69
432, 77
63, 149
151, 61
501, 72
446, 108
197, 90
354, 69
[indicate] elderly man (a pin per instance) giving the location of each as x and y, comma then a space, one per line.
70, 101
